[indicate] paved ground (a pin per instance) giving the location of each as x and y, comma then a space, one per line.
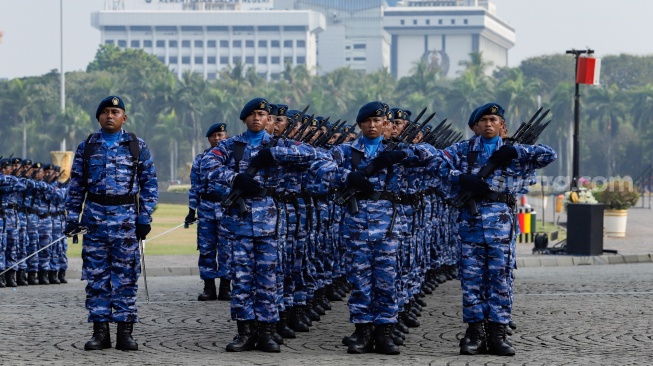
572, 314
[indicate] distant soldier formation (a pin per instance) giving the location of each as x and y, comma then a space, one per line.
32, 216
293, 214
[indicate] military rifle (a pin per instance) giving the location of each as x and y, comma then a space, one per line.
324, 138
527, 133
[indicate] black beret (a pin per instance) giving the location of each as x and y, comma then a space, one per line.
488, 109
282, 109
315, 122
255, 104
217, 127
472, 121
27, 162
306, 118
274, 109
4, 163
37, 165
110, 101
407, 114
398, 113
371, 109
388, 113
48, 167
294, 114
57, 168
16, 160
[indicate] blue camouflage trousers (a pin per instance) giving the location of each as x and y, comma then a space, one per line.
111, 263
57, 252
208, 230
12, 237
372, 273
3, 242
32, 242
22, 240
254, 279
45, 238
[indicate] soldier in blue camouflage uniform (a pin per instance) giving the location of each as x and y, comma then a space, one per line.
116, 186
204, 197
20, 171
486, 238
10, 187
372, 231
254, 221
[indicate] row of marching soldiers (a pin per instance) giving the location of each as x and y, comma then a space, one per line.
32, 219
298, 213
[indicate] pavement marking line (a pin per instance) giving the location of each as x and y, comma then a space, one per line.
589, 293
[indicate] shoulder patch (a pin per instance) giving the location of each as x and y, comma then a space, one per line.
447, 154
216, 151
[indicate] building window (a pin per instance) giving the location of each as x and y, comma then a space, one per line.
122, 43
301, 60
173, 59
108, 41
453, 21
211, 76
287, 43
274, 44
465, 21
359, 58
224, 43
224, 60
347, 47
360, 46
268, 28
147, 43
160, 43
198, 60
135, 43
210, 60
274, 60
401, 22
428, 21
249, 60
211, 44
172, 43
249, 44
237, 43
301, 43
348, 59
440, 21
199, 43
185, 60
414, 21
161, 59
263, 43
262, 60
185, 44
287, 60
237, 59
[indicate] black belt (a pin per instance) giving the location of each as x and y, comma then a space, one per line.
380, 196
111, 200
211, 197
506, 198
43, 216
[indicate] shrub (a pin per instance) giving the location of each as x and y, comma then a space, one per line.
617, 194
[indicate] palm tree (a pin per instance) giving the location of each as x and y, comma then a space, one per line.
607, 109
562, 106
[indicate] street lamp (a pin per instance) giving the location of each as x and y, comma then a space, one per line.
576, 147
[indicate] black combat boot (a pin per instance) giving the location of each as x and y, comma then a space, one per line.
101, 338
124, 339
224, 293
383, 342
397, 331
401, 326
282, 326
10, 278
265, 340
32, 278
245, 340
62, 276
43, 278
21, 278
310, 312
497, 340
408, 318
419, 300
475, 340
349, 340
296, 319
512, 325
3, 284
53, 278
209, 293
316, 305
364, 342
331, 293
322, 299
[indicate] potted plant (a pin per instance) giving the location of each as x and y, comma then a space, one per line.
618, 195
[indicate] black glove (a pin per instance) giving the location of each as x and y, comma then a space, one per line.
357, 181
474, 184
190, 218
504, 155
72, 228
247, 184
386, 159
263, 159
142, 230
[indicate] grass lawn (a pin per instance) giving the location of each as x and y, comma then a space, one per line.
166, 216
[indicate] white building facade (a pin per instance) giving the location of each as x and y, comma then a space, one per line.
209, 36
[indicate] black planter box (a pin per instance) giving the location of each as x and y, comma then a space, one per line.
584, 229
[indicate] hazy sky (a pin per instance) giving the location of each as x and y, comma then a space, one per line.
31, 42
